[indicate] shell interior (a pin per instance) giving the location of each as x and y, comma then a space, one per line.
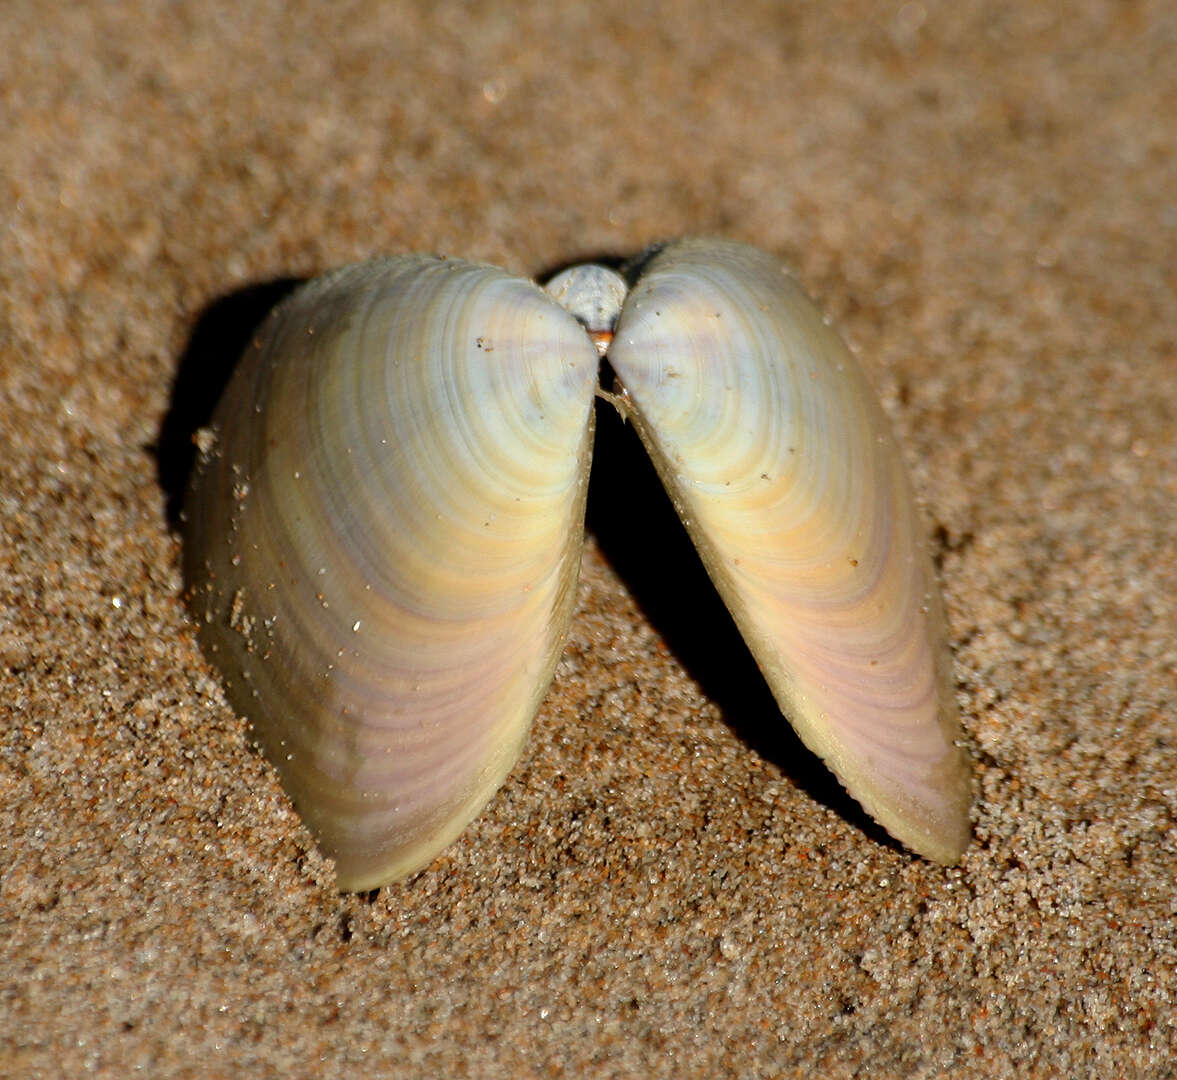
383, 541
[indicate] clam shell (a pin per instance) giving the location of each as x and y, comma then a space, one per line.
382, 546
782, 466
383, 540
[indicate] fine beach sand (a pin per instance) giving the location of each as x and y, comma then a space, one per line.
984, 198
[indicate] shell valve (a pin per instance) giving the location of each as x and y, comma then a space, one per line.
384, 539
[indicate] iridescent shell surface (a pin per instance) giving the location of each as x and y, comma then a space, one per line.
782, 466
382, 542
383, 545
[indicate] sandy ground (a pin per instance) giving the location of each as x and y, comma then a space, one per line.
983, 195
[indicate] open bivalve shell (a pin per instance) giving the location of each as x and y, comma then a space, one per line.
383, 539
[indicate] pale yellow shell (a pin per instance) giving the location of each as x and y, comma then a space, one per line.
382, 547
783, 468
383, 542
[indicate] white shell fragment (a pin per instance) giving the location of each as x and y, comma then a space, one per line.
594, 295
382, 543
